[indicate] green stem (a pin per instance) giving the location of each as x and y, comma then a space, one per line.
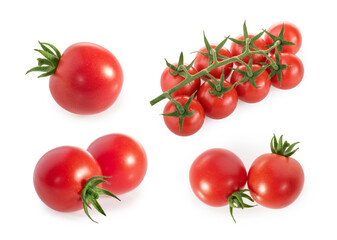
214, 65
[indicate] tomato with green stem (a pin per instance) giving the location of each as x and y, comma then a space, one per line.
184, 115
85, 79
254, 88
288, 34
217, 177
276, 179
66, 180
175, 74
121, 157
259, 43
218, 97
206, 55
291, 74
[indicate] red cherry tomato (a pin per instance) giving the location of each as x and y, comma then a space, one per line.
191, 124
246, 91
217, 107
236, 50
123, 159
215, 175
167, 81
60, 175
291, 76
275, 181
87, 80
291, 34
201, 62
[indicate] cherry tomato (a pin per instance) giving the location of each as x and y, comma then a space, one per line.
215, 175
201, 62
236, 50
123, 159
275, 181
291, 76
291, 34
85, 79
214, 106
60, 175
167, 81
246, 91
191, 124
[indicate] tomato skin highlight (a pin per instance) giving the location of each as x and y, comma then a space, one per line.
291, 76
167, 81
201, 62
236, 50
291, 34
121, 158
246, 91
87, 80
191, 124
275, 181
214, 106
60, 175
215, 175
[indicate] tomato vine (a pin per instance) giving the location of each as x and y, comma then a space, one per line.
215, 63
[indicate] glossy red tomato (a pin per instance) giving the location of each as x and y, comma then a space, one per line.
291, 76
236, 50
275, 181
87, 80
123, 159
167, 81
201, 62
291, 34
60, 175
246, 91
215, 175
214, 106
191, 124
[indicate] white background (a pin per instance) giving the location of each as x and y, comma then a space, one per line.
141, 34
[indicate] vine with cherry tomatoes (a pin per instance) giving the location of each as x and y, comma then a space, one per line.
211, 86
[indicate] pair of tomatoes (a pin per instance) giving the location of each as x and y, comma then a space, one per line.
66, 178
217, 103
275, 180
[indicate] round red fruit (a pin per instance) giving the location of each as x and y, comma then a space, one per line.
168, 81
215, 175
191, 124
291, 34
60, 176
123, 159
291, 76
246, 91
217, 107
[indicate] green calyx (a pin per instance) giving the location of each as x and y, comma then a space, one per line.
236, 201
246, 42
277, 68
213, 53
279, 39
250, 75
282, 148
91, 193
181, 110
180, 69
49, 63
218, 85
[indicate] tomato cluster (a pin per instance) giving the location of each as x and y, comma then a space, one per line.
66, 178
275, 180
215, 86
